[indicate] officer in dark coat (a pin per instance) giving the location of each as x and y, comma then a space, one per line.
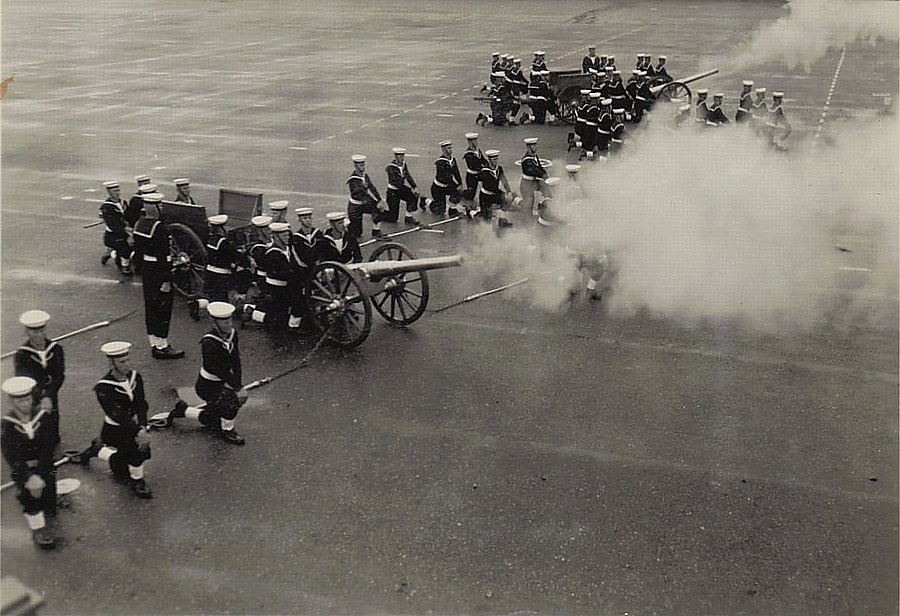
340, 245
151, 242
44, 361
115, 237
124, 442
27, 441
219, 382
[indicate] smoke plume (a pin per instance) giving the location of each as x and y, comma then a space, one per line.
810, 27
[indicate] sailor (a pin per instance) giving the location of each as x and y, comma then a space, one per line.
616, 90
760, 108
494, 191
135, 204
364, 199
617, 131
611, 63
702, 106
716, 116
581, 129
28, 442
574, 190
591, 116
533, 173
545, 215
339, 245
660, 71
475, 161
541, 100
631, 92
447, 181
222, 264
639, 62
306, 247
115, 236
604, 126
647, 66
683, 116
44, 361
124, 442
745, 104
495, 61
280, 281
278, 210
600, 274
777, 124
151, 242
401, 187
258, 243
515, 78
644, 97
591, 61
539, 63
183, 188
219, 382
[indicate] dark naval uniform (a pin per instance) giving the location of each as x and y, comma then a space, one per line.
400, 187
491, 192
305, 251
745, 108
151, 242
364, 198
590, 62
223, 261
447, 181
716, 116
281, 281
220, 377
28, 449
343, 250
533, 173
125, 407
48, 369
115, 236
475, 161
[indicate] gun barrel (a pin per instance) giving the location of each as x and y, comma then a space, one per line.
378, 269
691, 79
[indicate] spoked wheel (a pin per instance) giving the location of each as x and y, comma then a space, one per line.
337, 305
568, 104
188, 260
405, 295
676, 92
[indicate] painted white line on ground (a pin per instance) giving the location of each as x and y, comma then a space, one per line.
855, 269
88, 134
331, 136
296, 147
91, 190
348, 131
395, 115
837, 72
445, 115
158, 168
67, 198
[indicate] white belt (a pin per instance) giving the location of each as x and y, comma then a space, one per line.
111, 422
108, 229
537, 98
390, 187
602, 132
209, 376
215, 269
276, 283
528, 177
355, 202
436, 183
261, 273
152, 259
471, 172
614, 140
590, 123
487, 192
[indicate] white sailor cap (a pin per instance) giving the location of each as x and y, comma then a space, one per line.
618, 110
594, 95
471, 136
611, 57
684, 108
143, 189
277, 206
606, 101
663, 58
777, 94
545, 73
142, 179
517, 60
718, 95
398, 150
573, 168
153, 197
496, 54
218, 219
554, 181
640, 55
593, 71
181, 181
359, 158
303, 211
335, 216
584, 92
33, 319
19, 386
642, 73
703, 91
279, 227
505, 56
617, 72
602, 55
760, 90
539, 53
530, 140
445, 143
117, 348
261, 221
592, 46
747, 83
492, 153
220, 310
111, 184
635, 71
498, 74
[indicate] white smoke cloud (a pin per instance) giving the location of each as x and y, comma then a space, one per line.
810, 27
715, 224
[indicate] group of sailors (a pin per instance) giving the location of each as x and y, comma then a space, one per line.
752, 109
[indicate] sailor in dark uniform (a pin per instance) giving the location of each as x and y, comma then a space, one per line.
539, 63
364, 199
446, 183
339, 245
281, 278
533, 174
716, 115
183, 188
494, 192
306, 247
475, 160
44, 361
124, 442
115, 237
27, 441
258, 243
661, 72
135, 204
777, 124
219, 382
151, 242
591, 61
223, 262
278, 211
702, 106
745, 104
617, 131
401, 187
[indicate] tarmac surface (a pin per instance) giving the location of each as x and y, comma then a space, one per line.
493, 458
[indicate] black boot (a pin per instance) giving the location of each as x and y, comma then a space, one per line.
139, 487
231, 436
167, 353
84, 457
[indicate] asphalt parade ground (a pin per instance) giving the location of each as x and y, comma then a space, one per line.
528, 452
